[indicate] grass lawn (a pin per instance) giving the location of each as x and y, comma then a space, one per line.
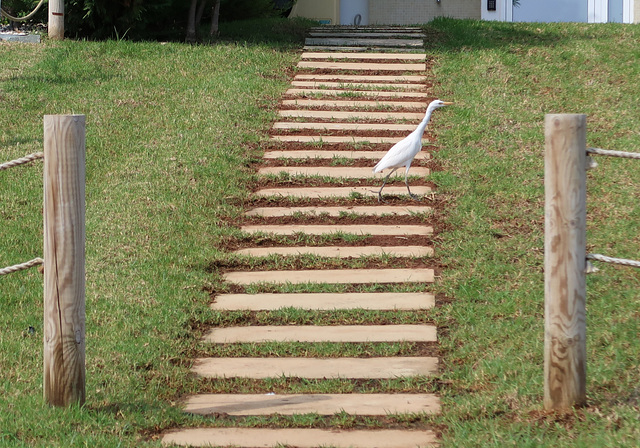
171, 132
504, 78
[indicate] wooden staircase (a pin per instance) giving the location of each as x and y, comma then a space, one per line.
357, 91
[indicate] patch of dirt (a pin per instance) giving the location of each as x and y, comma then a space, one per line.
296, 264
432, 201
328, 71
313, 162
319, 182
271, 145
347, 133
233, 244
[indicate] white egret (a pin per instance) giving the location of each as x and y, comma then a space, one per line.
402, 153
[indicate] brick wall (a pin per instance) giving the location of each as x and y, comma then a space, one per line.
411, 12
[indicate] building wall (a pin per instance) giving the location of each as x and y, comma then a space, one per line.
636, 12
412, 12
326, 12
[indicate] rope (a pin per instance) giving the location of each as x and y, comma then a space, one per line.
21, 266
22, 160
605, 152
605, 259
22, 19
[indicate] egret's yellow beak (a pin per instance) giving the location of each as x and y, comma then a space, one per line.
446, 103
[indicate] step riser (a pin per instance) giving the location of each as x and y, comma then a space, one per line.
338, 115
358, 93
374, 230
340, 172
339, 252
338, 211
328, 154
341, 192
352, 276
357, 104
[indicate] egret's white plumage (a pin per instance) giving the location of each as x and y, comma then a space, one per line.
402, 153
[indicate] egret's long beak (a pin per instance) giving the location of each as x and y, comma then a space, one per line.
447, 103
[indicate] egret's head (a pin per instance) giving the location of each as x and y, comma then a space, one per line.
436, 104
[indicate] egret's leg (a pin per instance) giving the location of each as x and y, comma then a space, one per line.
384, 183
406, 182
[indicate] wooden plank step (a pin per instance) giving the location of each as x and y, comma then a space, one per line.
345, 126
301, 438
328, 139
394, 50
360, 78
322, 333
340, 154
343, 192
381, 33
344, 115
322, 404
352, 229
356, 104
364, 66
364, 42
369, 368
364, 93
340, 172
381, 56
332, 276
339, 252
374, 210
366, 28
326, 301
357, 85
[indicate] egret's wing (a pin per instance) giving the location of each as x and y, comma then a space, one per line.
400, 154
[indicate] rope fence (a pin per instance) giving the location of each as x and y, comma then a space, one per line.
22, 19
604, 258
21, 161
21, 266
621, 261
13, 163
606, 152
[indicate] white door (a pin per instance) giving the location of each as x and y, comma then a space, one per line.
551, 11
591, 11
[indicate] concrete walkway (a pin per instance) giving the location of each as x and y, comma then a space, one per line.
367, 84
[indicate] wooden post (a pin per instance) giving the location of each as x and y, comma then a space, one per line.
64, 272
565, 365
56, 19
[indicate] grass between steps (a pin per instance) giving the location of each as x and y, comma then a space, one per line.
171, 133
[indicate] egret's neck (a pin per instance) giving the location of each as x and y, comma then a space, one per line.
423, 124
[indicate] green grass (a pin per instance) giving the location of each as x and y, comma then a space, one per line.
172, 131
504, 78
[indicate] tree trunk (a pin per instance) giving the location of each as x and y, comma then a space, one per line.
201, 6
191, 22
215, 15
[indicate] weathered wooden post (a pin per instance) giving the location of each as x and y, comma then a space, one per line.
565, 364
56, 19
64, 267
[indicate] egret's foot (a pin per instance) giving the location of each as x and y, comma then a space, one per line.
379, 193
415, 197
